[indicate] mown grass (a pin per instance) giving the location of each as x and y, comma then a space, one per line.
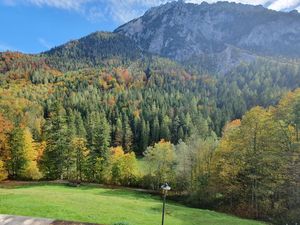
106, 206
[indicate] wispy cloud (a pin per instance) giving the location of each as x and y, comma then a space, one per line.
61, 4
44, 43
124, 10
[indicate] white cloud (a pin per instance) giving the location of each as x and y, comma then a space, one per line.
124, 10
284, 4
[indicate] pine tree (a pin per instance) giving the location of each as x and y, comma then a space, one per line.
98, 142
17, 157
164, 129
155, 130
175, 129
118, 133
104, 136
80, 129
71, 134
127, 134
55, 154
180, 134
80, 157
144, 136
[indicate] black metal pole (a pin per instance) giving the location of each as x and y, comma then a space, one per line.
163, 212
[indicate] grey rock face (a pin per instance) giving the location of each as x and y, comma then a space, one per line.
182, 31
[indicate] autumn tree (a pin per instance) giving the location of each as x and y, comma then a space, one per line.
250, 159
79, 157
123, 167
5, 128
31, 170
3, 171
160, 161
17, 161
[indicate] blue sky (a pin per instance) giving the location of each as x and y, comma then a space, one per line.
33, 26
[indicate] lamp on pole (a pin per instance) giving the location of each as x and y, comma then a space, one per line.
165, 188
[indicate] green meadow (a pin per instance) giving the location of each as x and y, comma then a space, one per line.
105, 206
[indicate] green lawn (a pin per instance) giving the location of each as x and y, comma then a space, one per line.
98, 205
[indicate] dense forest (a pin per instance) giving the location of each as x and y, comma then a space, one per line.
225, 142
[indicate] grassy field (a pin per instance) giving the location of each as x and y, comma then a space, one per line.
106, 206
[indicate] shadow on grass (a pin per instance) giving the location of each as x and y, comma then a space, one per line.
103, 190
21, 184
126, 194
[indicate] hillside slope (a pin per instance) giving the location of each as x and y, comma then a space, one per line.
94, 205
96, 49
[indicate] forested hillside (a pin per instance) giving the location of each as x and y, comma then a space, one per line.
105, 109
92, 123
96, 49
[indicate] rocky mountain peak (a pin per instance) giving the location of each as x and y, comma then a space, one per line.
183, 31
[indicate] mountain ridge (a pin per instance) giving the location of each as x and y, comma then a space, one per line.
92, 50
182, 31
213, 37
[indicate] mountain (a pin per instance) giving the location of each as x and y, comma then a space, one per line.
224, 32
215, 38
93, 50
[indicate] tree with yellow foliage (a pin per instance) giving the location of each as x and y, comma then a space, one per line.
31, 170
5, 127
3, 172
79, 157
249, 162
160, 160
123, 166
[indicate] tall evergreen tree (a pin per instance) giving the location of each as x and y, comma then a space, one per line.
155, 130
164, 129
79, 124
71, 134
144, 136
118, 133
127, 135
55, 154
17, 156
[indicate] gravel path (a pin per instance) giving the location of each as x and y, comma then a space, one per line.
23, 220
20, 220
